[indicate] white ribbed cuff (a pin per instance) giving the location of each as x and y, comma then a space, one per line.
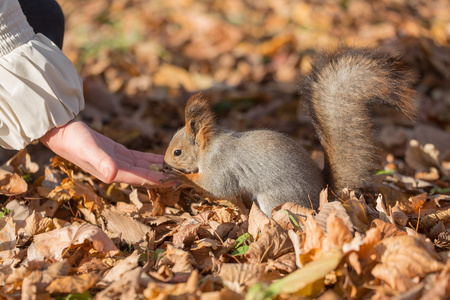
14, 28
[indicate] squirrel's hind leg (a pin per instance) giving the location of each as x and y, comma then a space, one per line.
267, 202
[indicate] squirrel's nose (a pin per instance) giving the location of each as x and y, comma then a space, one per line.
166, 166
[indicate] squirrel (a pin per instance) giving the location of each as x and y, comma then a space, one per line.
272, 168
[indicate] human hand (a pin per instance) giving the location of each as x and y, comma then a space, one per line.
102, 157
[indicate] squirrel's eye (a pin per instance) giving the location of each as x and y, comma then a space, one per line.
177, 152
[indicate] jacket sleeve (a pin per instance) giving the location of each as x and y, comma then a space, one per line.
39, 86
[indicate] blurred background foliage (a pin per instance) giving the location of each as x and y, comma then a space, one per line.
140, 59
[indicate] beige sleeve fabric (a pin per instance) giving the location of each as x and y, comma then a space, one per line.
39, 86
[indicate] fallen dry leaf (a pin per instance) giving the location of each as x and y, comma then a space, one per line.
54, 244
356, 209
286, 262
256, 220
127, 228
237, 276
183, 290
7, 240
72, 284
37, 281
402, 258
130, 285
21, 163
180, 261
333, 207
337, 233
272, 243
305, 281
422, 158
399, 216
12, 184
387, 229
81, 191
125, 265
283, 214
314, 235
187, 233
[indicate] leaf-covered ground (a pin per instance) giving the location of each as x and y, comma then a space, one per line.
65, 235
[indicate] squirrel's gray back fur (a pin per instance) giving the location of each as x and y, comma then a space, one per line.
266, 177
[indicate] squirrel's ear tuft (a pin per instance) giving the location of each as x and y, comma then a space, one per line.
200, 120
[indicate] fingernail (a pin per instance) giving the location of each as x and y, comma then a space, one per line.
106, 173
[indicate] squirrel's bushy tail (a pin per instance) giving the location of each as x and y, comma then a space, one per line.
339, 93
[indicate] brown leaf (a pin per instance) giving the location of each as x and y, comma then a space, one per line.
256, 220
237, 276
20, 211
393, 277
272, 243
137, 198
125, 208
125, 265
285, 262
73, 284
296, 239
158, 205
12, 184
383, 213
7, 239
418, 201
399, 216
53, 244
224, 215
386, 229
314, 235
421, 158
129, 229
38, 280
129, 285
156, 290
283, 213
21, 163
203, 257
36, 224
337, 233
356, 209
169, 196
335, 206
431, 219
57, 194
181, 261
186, 233
439, 288
367, 252
92, 264
81, 191
204, 217
403, 258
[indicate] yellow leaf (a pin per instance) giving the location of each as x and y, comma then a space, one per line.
306, 280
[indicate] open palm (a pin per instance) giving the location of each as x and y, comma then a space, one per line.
102, 157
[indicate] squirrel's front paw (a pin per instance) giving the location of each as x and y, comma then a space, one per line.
173, 175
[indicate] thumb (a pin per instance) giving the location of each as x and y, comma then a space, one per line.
107, 169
